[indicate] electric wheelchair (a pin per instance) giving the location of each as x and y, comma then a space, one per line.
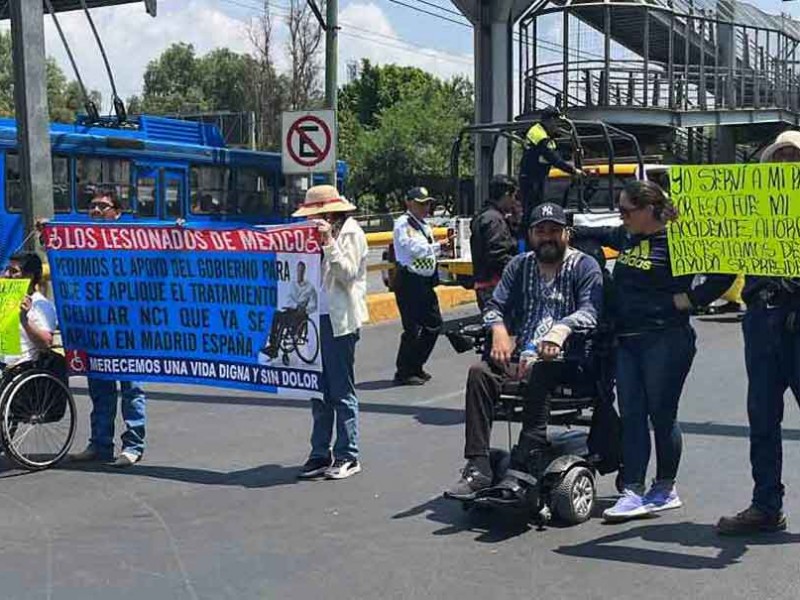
589, 443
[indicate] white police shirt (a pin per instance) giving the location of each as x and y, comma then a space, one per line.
414, 245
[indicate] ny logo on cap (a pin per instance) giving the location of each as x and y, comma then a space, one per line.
547, 211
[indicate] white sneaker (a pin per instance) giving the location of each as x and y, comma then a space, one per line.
343, 468
127, 458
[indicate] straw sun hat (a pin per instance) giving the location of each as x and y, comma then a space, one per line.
788, 139
322, 199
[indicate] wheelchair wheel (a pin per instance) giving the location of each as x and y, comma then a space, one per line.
307, 342
573, 498
37, 423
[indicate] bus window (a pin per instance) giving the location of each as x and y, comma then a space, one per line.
254, 195
172, 197
61, 199
61, 185
208, 187
146, 196
94, 173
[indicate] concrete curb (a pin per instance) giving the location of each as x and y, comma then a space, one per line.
383, 307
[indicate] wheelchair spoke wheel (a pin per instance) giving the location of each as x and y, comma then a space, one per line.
307, 342
38, 420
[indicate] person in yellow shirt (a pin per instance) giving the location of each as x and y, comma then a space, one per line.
540, 154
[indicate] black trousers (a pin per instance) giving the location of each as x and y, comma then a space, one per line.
283, 320
422, 321
484, 385
533, 194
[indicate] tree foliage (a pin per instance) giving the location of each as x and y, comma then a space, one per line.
180, 82
397, 126
64, 97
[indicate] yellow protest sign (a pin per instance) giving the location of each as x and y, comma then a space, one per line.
12, 292
736, 219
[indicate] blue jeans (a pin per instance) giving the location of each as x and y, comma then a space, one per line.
104, 412
339, 402
651, 370
772, 357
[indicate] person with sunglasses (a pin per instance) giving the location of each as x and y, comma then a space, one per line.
650, 309
491, 243
105, 206
37, 314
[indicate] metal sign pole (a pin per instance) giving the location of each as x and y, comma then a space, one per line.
30, 103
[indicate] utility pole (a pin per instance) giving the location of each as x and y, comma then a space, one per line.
330, 25
332, 65
33, 120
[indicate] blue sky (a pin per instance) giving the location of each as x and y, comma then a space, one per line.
376, 29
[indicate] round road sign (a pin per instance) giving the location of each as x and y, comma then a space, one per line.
309, 141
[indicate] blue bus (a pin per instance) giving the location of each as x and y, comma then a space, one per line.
162, 169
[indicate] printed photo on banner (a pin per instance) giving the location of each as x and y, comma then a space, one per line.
293, 339
736, 219
236, 308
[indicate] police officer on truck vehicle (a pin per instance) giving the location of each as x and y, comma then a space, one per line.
540, 154
416, 253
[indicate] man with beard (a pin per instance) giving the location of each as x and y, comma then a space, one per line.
542, 297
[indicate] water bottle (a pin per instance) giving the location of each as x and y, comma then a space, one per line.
528, 356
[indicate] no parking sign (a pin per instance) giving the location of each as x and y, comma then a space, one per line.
309, 142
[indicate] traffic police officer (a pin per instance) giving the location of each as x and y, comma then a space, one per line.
541, 153
416, 254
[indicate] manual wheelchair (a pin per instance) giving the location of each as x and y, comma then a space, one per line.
37, 411
300, 337
566, 485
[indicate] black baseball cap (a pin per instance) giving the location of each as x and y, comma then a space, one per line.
418, 194
550, 113
548, 212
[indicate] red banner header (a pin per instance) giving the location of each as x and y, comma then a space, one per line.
113, 236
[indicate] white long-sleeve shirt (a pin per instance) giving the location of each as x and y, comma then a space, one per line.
414, 247
344, 279
303, 295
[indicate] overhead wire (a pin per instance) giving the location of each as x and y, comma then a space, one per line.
547, 45
377, 38
119, 105
91, 108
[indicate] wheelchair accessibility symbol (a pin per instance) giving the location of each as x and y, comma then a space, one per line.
53, 241
77, 361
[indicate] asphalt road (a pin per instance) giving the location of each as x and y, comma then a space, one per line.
214, 510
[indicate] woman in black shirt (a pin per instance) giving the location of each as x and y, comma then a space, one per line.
656, 343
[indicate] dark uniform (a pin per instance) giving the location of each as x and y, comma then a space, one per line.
541, 153
772, 356
493, 246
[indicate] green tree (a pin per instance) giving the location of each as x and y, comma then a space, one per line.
63, 96
172, 82
396, 129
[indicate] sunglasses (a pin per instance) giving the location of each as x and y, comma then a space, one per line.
100, 206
